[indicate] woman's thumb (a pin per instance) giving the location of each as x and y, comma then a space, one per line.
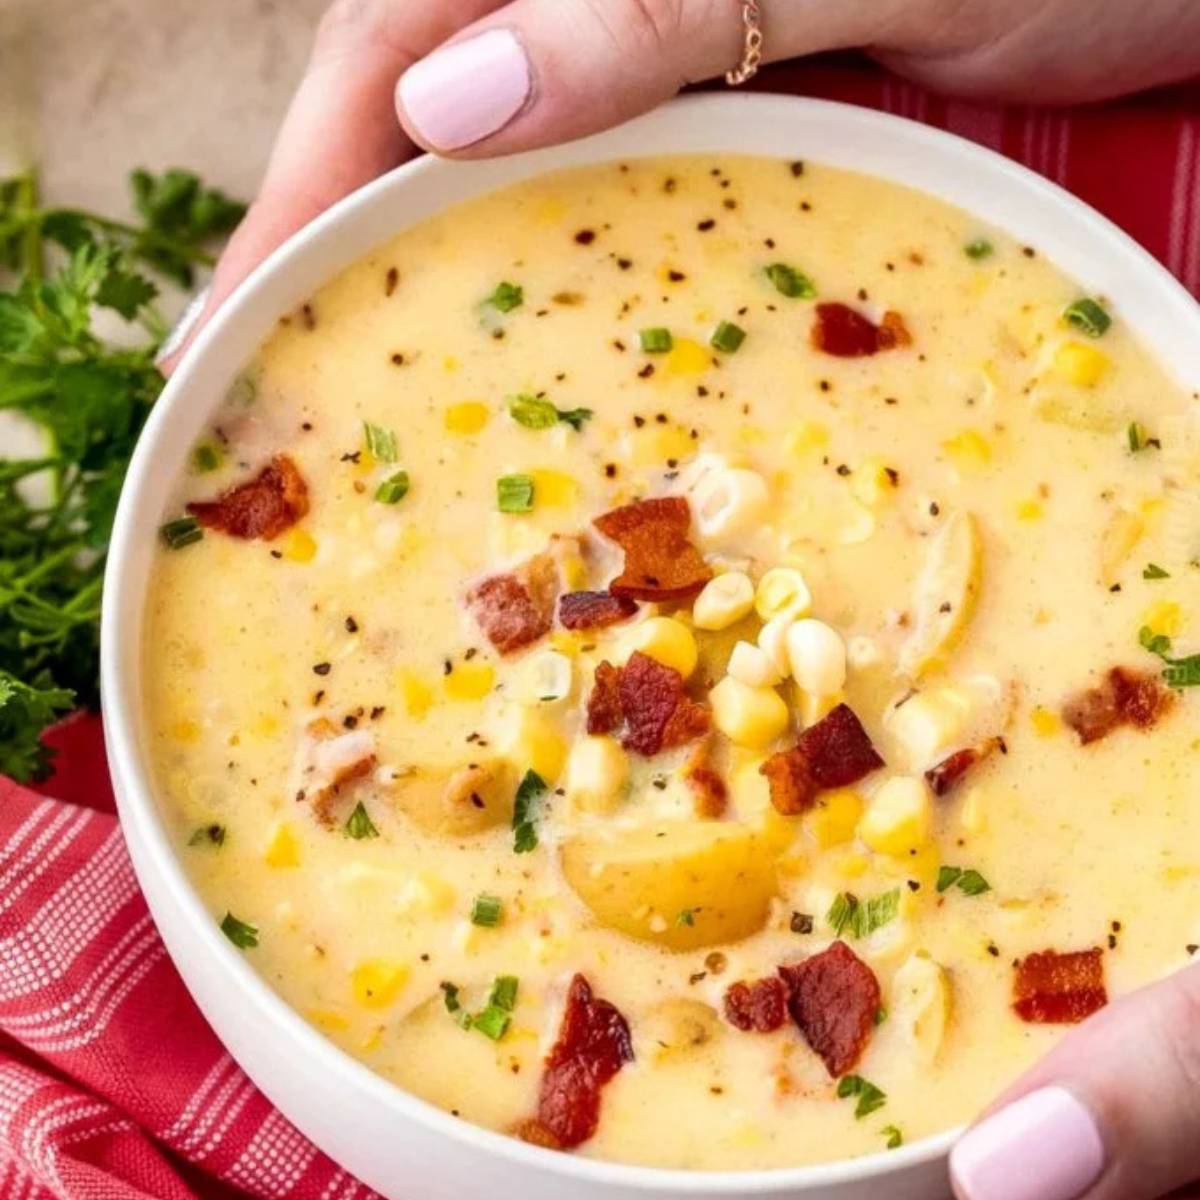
538, 72
1112, 1113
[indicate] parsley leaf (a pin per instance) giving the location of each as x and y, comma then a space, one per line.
870, 1098
1177, 672
849, 914
531, 789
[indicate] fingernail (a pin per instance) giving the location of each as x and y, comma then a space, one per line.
466, 91
1044, 1146
182, 327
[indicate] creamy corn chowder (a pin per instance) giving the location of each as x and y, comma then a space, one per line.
687, 662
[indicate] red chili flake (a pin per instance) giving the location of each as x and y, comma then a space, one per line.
759, 1007
833, 753
1059, 989
944, 777
593, 1045
660, 561
517, 608
263, 507
845, 333
604, 703
833, 998
709, 793
594, 610
1126, 697
658, 715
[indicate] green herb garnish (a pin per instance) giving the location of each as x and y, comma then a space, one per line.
1137, 437
183, 531
849, 914
1154, 571
535, 413
970, 882
241, 934
208, 835
686, 916
380, 442
1177, 672
531, 789
895, 1139
88, 397
207, 456
506, 297
870, 1098
359, 825
979, 249
790, 282
514, 493
393, 489
1089, 317
728, 337
486, 910
494, 1019
656, 340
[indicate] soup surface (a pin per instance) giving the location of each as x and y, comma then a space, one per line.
685, 662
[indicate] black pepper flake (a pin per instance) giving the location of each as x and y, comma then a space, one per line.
1112, 941
676, 276
351, 625
447, 666
276, 553
705, 225
1029, 251
352, 457
646, 371
730, 203
801, 923
350, 721
1116, 587
893, 476
796, 168
390, 280
701, 390
993, 949
769, 243
862, 294
825, 385
377, 711
1191, 948
585, 237
699, 977
914, 885
470, 653
843, 470
890, 400
624, 263
670, 184
618, 345
397, 359
310, 317
661, 418
610, 470
322, 668
639, 422
935, 509
318, 696
306, 426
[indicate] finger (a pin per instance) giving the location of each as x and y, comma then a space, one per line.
538, 72
1113, 1113
340, 130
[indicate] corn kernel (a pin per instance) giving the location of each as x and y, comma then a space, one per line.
299, 546
968, 449
665, 640
872, 482
1084, 366
748, 716
1165, 618
1045, 723
656, 445
328, 1020
466, 418
808, 439
687, 357
811, 708
1030, 510
545, 677
377, 982
426, 893
752, 665
727, 503
283, 850
469, 681
597, 772
898, 819
782, 590
724, 601
566, 642
554, 489
836, 817
533, 742
851, 864
974, 812
817, 656
416, 694
929, 724
772, 637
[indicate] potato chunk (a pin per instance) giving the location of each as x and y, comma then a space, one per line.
458, 803
921, 1005
679, 884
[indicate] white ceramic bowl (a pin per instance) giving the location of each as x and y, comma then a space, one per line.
398, 1144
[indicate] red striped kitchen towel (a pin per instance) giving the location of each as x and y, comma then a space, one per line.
112, 1087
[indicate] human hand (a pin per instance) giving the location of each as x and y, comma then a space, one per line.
488, 77
1112, 1113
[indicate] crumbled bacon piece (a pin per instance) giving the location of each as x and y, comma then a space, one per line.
833, 753
759, 1007
332, 761
947, 774
1059, 989
594, 610
262, 507
833, 998
658, 714
593, 1045
660, 561
845, 333
515, 609
604, 704
709, 793
1126, 697
531, 1130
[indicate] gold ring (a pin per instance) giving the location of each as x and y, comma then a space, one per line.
752, 49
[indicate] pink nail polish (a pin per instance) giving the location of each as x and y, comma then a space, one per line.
1044, 1146
466, 91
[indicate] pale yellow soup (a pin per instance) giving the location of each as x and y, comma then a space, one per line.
1041, 478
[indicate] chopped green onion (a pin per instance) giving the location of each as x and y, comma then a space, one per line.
881, 1015
686, 916
790, 282
895, 1139
506, 297
241, 934
849, 914
514, 493
970, 882
380, 442
1154, 571
207, 456
181, 532
213, 835
492, 1022
532, 412
728, 337
531, 789
450, 996
393, 489
656, 340
1156, 643
1139, 439
979, 249
486, 910
1089, 317
1177, 672
870, 1098
360, 826
577, 418
504, 992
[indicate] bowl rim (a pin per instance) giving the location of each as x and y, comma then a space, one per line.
123, 610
